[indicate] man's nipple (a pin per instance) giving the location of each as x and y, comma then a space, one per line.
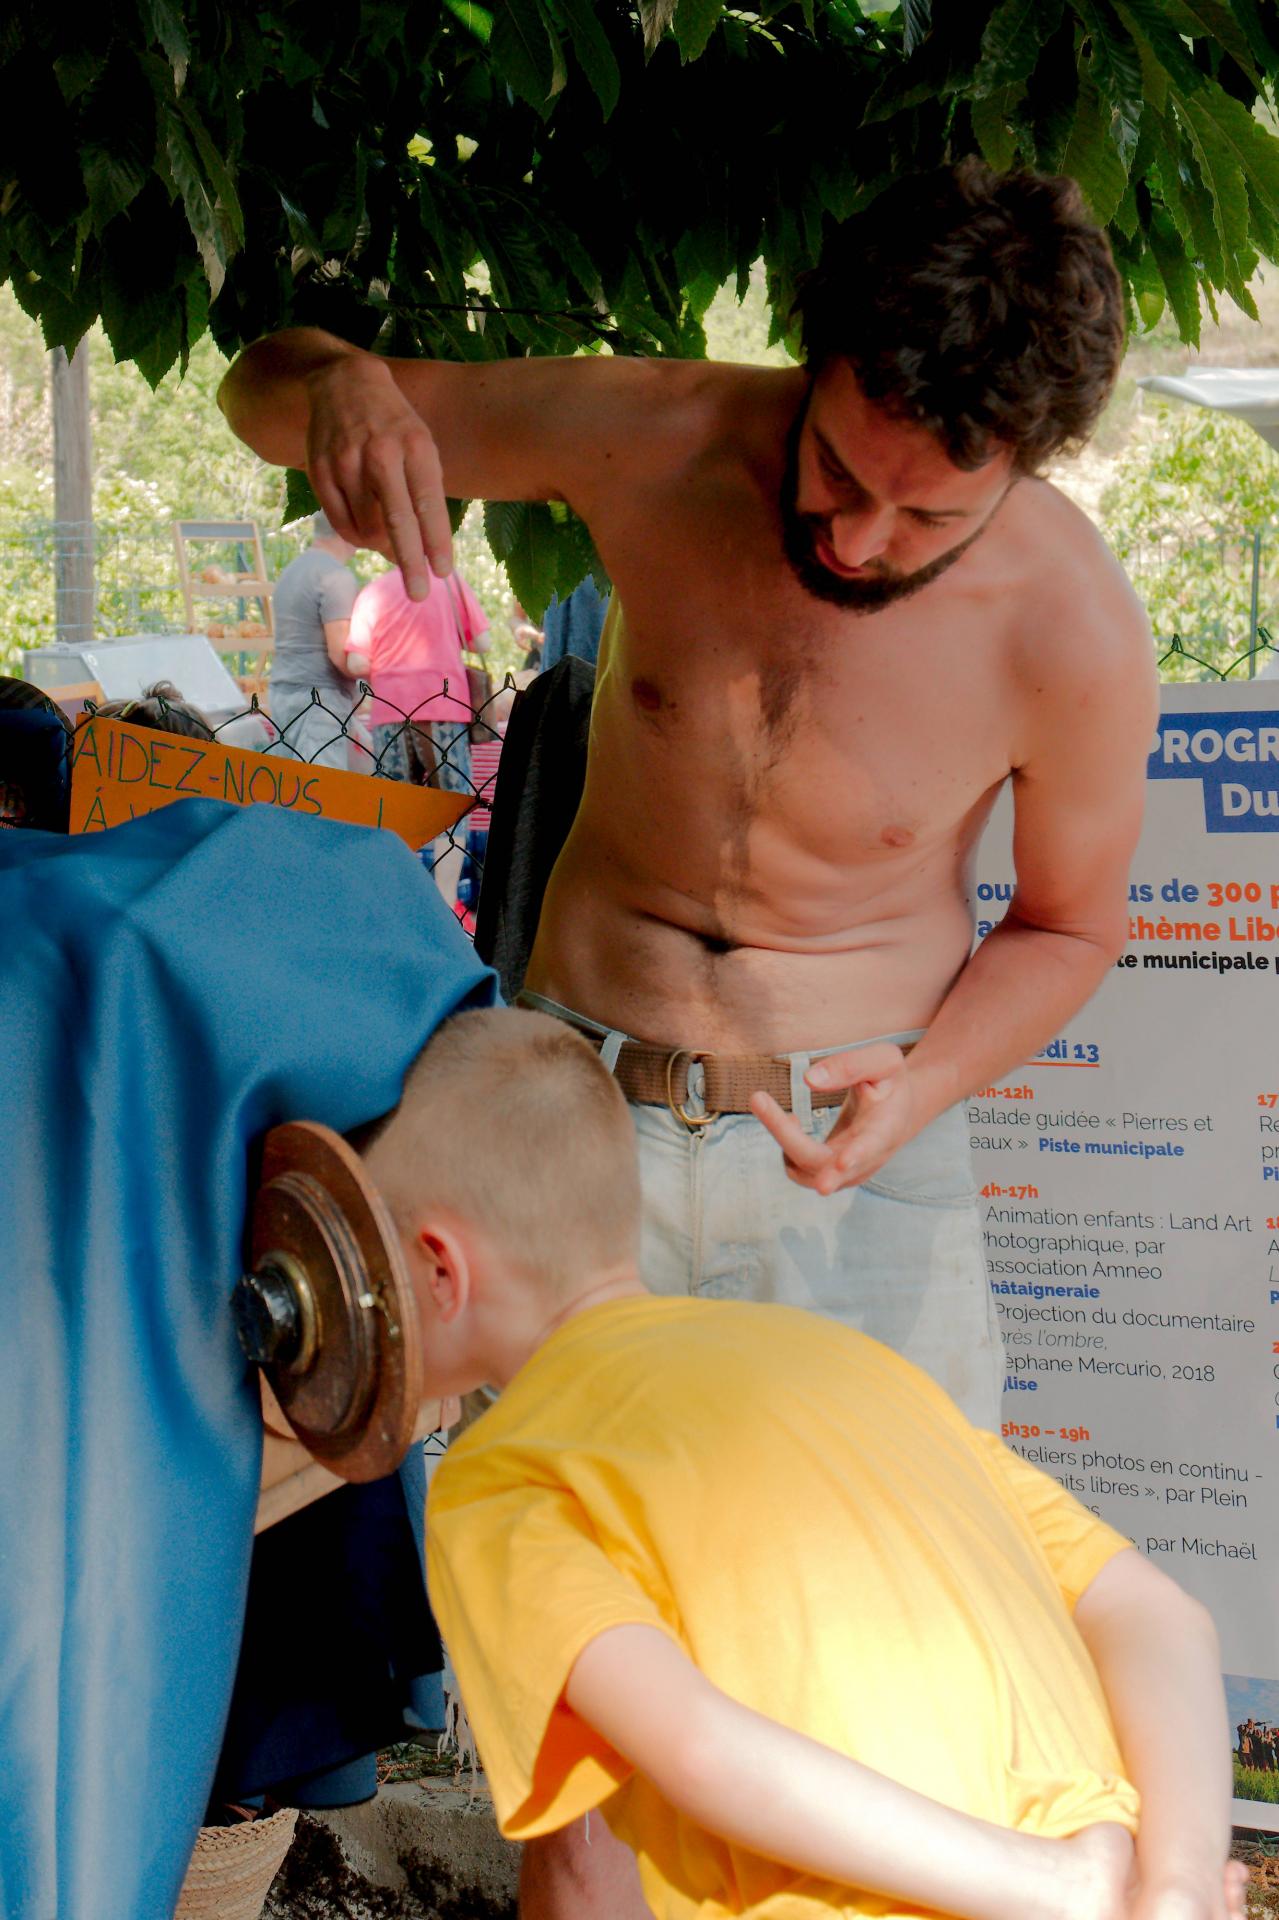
646, 696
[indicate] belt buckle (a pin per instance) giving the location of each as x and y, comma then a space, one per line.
693, 1121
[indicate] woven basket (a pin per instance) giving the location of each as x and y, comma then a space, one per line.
232, 1868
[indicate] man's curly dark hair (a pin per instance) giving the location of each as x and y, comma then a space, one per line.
983, 306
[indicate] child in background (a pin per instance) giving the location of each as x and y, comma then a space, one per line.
161, 708
748, 1582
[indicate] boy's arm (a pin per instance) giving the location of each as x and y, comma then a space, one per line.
1156, 1652
760, 1785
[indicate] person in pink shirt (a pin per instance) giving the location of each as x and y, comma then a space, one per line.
410, 652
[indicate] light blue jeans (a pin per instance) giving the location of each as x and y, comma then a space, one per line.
898, 1258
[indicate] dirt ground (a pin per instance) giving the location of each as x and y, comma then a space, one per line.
1260, 1854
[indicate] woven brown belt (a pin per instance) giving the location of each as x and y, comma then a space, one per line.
658, 1077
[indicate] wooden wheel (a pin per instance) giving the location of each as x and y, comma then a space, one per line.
327, 1308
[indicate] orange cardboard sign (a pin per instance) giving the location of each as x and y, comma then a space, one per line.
119, 772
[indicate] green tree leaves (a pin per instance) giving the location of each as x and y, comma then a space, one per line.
526, 51
487, 177
1114, 67
695, 22
545, 550
592, 51
1012, 41
206, 185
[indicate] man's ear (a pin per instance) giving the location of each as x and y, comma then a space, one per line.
445, 1269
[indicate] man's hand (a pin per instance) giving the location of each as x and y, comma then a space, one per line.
375, 468
880, 1115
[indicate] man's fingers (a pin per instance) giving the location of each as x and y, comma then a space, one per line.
388, 481
407, 550
351, 478
848, 1166
802, 1152
433, 517
824, 1166
426, 489
876, 1062
333, 501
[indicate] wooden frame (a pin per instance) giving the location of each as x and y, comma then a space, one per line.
254, 586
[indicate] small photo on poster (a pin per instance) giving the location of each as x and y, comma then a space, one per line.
1253, 1706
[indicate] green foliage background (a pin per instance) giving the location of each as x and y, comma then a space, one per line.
1254, 1783
1190, 491
451, 178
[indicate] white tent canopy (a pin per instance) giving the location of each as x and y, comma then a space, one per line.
1249, 393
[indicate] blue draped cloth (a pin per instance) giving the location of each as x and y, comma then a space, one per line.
168, 990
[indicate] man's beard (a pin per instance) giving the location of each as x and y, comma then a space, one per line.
883, 586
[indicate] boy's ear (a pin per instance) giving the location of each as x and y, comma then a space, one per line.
445, 1270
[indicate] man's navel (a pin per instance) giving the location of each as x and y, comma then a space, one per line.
647, 697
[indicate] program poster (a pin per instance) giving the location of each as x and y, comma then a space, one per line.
1130, 1180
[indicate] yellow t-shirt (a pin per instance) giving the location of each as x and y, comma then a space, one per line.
819, 1528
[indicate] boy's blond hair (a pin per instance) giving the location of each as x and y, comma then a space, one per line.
509, 1122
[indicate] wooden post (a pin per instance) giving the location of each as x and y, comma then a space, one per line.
72, 496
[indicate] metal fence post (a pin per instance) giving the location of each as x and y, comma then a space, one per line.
1255, 604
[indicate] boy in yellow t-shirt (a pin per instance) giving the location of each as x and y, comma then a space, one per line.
749, 1583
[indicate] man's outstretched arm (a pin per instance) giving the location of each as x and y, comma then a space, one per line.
385, 441
762, 1786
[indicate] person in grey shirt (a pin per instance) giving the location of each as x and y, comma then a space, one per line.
312, 693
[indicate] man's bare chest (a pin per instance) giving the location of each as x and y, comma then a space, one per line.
848, 743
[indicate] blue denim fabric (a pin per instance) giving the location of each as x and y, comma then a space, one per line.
168, 990
899, 1258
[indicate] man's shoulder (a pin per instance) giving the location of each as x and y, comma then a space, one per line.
1081, 659
1078, 613
669, 382
741, 409
1057, 528
698, 407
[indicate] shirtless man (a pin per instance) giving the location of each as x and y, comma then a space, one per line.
850, 614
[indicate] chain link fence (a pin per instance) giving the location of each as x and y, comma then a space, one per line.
1180, 661
431, 745
1208, 599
